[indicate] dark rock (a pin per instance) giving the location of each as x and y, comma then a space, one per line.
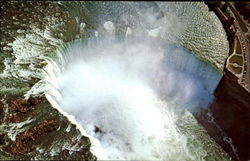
231, 111
25, 140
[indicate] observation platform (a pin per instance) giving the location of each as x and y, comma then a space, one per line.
231, 106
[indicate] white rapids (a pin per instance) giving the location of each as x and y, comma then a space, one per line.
129, 96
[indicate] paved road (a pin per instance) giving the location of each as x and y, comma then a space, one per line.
244, 41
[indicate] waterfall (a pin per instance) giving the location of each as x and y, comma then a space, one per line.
132, 77
128, 96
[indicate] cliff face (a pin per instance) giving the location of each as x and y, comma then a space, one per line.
231, 111
231, 107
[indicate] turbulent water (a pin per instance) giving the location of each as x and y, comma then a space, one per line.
126, 80
130, 94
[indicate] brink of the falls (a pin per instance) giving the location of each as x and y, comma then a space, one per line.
109, 80
133, 97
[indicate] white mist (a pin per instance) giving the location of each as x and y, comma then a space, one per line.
128, 96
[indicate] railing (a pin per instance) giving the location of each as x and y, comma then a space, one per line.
238, 53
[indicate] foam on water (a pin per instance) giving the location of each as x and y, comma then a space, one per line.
127, 95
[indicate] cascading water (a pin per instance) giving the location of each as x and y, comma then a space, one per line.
125, 80
132, 96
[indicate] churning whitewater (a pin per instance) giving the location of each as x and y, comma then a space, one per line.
130, 94
121, 79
